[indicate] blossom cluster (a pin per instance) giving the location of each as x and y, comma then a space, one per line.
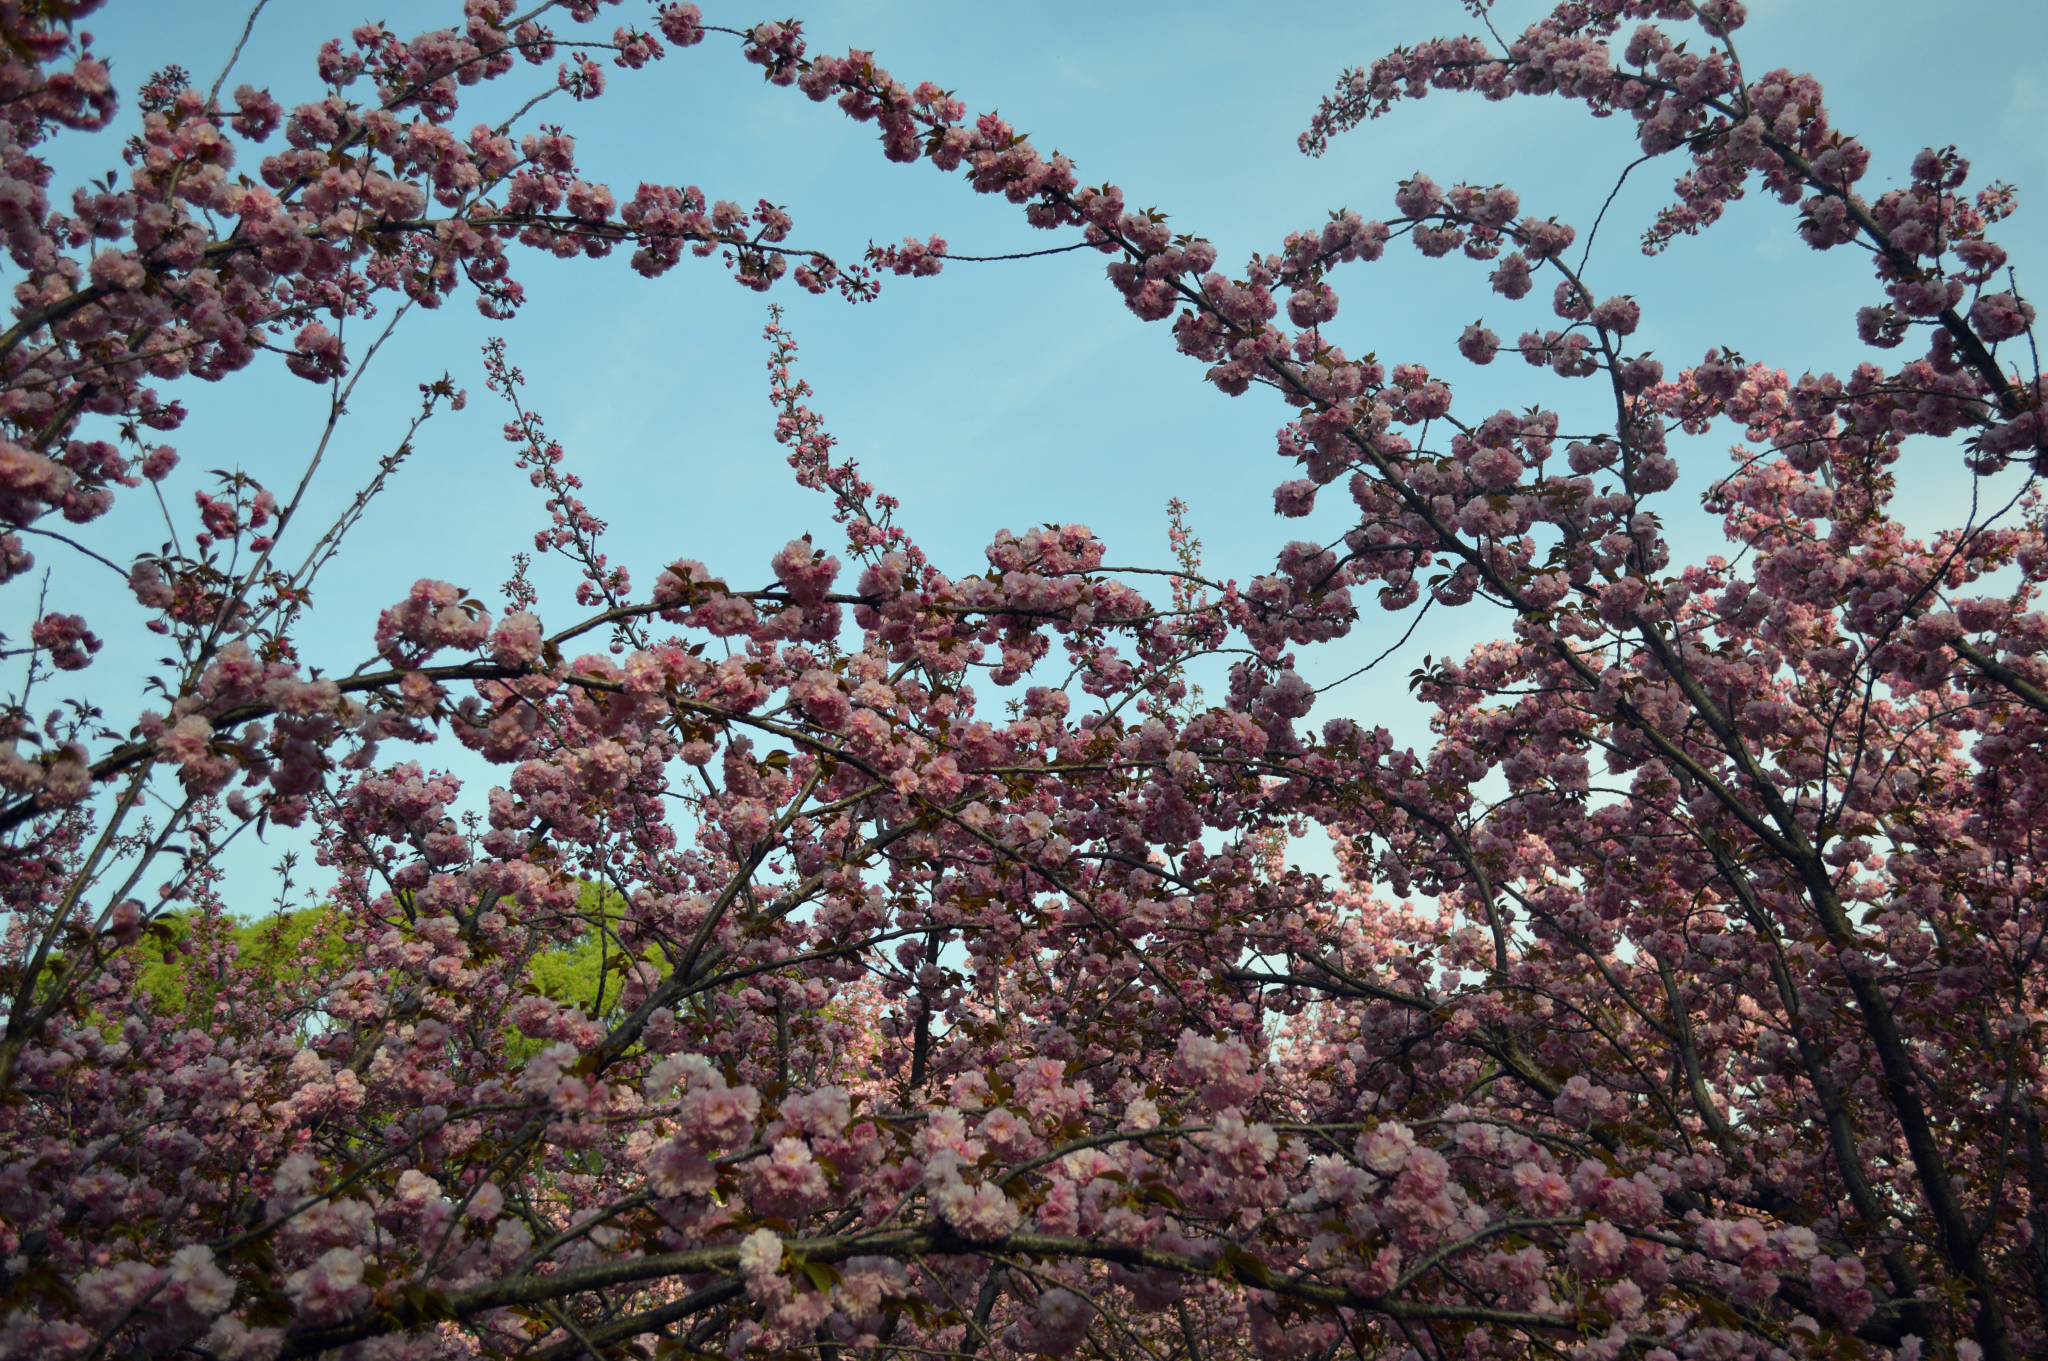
899, 959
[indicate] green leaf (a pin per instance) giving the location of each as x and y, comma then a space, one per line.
1245, 1264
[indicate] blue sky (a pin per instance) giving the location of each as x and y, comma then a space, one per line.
1012, 394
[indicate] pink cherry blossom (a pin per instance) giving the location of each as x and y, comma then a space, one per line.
842, 951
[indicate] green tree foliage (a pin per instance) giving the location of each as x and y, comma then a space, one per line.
283, 952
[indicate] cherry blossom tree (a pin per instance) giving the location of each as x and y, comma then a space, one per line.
1683, 998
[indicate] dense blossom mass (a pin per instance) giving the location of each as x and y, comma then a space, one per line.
784, 995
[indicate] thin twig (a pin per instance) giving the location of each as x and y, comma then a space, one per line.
236, 55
